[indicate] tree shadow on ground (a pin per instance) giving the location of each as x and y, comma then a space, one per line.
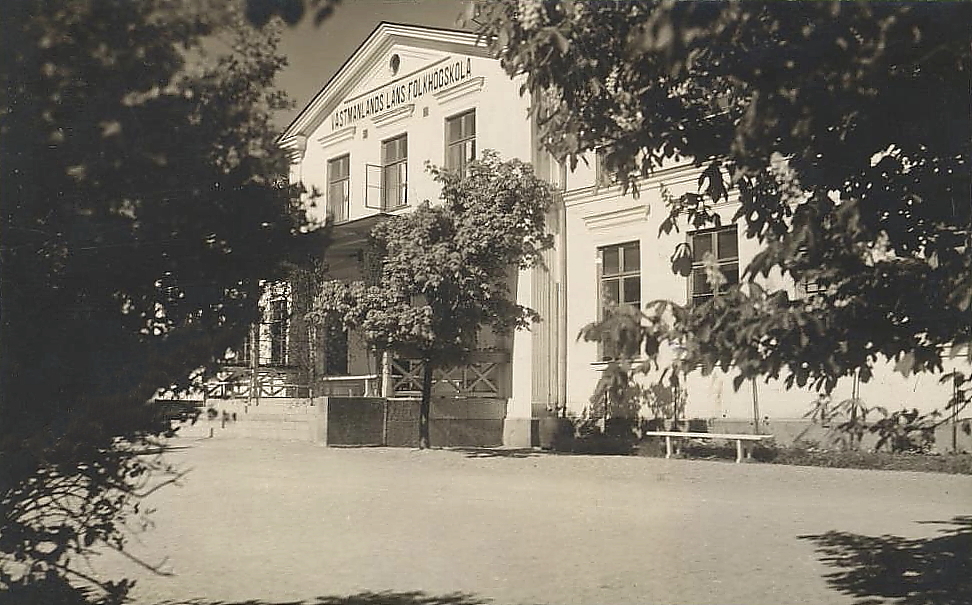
363, 598
901, 571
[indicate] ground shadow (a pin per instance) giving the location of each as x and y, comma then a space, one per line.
901, 571
364, 598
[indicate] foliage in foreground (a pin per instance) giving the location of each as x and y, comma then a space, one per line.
447, 269
818, 115
141, 209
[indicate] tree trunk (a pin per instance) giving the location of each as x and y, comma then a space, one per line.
426, 404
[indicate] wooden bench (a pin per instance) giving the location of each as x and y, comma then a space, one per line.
741, 450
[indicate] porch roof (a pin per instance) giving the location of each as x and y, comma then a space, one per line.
349, 241
353, 234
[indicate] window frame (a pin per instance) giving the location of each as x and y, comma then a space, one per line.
401, 163
278, 328
603, 178
712, 233
345, 214
461, 141
622, 275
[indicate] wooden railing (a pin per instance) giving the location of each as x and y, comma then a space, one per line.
238, 383
482, 377
366, 385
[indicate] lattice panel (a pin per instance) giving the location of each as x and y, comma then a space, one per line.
477, 379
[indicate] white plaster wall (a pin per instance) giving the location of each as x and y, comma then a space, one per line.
605, 217
595, 217
501, 124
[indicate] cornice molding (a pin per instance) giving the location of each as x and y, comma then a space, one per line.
473, 85
390, 117
296, 147
338, 136
613, 219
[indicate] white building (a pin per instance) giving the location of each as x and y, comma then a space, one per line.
411, 95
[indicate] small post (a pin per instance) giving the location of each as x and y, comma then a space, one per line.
384, 422
668, 446
387, 388
739, 450
755, 407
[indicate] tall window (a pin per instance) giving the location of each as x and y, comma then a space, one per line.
723, 245
279, 322
602, 176
620, 282
460, 141
339, 187
394, 172
335, 349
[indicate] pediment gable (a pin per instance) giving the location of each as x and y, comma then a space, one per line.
396, 62
372, 68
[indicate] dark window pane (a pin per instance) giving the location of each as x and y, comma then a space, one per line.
728, 245
394, 150
611, 291
612, 260
470, 124
394, 185
700, 285
632, 290
632, 257
454, 157
454, 130
403, 179
701, 245
731, 271
335, 192
338, 169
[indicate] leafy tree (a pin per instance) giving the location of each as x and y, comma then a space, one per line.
845, 128
261, 12
141, 207
447, 269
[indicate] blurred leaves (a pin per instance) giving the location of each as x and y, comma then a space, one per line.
142, 206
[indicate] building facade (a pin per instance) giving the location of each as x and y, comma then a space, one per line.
412, 96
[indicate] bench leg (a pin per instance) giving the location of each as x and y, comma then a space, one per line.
668, 446
739, 450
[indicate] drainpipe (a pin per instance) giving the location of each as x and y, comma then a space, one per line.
562, 296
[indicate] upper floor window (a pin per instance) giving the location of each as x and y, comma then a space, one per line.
394, 172
807, 286
339, 187
723, 245
620, 282
602, 176
460, 141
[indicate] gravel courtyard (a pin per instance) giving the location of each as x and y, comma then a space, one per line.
274, 523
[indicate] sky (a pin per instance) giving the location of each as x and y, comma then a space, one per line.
315, 53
